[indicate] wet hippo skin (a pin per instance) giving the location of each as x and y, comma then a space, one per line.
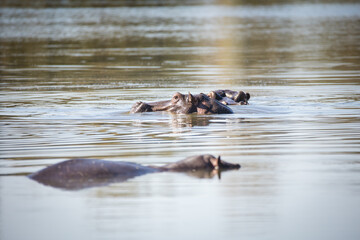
230, 97
184, 104
77, 174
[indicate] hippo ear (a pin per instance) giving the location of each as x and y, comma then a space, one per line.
218, 161
191, 98
211, 94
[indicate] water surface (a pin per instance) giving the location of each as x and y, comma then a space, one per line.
70, 75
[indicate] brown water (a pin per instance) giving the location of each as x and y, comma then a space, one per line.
70, 75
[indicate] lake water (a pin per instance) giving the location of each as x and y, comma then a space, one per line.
70, 75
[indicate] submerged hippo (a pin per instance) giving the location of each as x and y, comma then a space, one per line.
230, 97
84, 173
185, 104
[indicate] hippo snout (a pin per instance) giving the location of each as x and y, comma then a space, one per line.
226, 165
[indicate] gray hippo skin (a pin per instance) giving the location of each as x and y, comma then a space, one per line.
77, 174
184, 104
230, 97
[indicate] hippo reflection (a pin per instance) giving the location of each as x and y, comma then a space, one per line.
230, 97
189, 120
185, 104
84, 173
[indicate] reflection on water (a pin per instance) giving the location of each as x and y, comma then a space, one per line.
69, 76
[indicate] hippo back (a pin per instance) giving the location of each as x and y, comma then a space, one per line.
82, 173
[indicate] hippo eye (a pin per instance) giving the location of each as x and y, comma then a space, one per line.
176, 97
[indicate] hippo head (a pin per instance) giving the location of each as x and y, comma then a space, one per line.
215, 95
201, 162
179, 103
183, 103
230, 97
217, 163
242, 98
207, 105
199, 103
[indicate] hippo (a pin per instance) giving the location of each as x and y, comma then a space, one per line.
76, 174
184, 104
230, 97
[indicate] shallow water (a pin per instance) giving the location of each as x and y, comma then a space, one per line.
70, 75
